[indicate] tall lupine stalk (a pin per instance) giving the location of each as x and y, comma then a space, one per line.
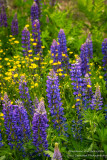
39, 126
89, 46
84, 59
26, 41
104, 52
97, 103
34, 12
54, 101
57, 155
3, 17
16, 124
36, 36
25, 97
39, 6
1, 144
63, 49
78, 87
87, 92
56, 56
14, 25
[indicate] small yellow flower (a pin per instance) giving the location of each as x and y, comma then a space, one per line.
70, 52
60, 74
89, 86
10, 36
100, 77
42, 46
73, 106
77, 100
65, 74
29, 51
36, 58
0, 58
8, 63
36, 84
32, 86
15, 75
34, 44
31, 39
52, 54
6, 59
27, 25
68, 49
16, 42
0, 66
51, 61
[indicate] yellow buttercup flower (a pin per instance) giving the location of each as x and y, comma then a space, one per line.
73, 106
70, 52
16, 42
89, 86
100, 77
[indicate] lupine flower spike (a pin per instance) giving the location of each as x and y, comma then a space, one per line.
39, 126
63, 51
26, 41
104, 52
56, 56
57, 155
84, 59
34, 12
14, 25
54, 101
97, 99
25, 96
89, 47
17, 124
3, 17
36, 36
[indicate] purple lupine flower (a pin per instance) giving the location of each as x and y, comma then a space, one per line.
56, 55
3, 17
34, 12
39, 126
54, 101
39, 7
89, 47
26, 41
63, 51
6, 101
16, 124
57, 155
84, 59
36, 102
77, 81
104, 52
14, 25
36, 36
1, 144
97, 99
25, 97
87, 92
78, 86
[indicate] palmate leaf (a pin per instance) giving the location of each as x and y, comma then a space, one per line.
49, 153
3, 157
